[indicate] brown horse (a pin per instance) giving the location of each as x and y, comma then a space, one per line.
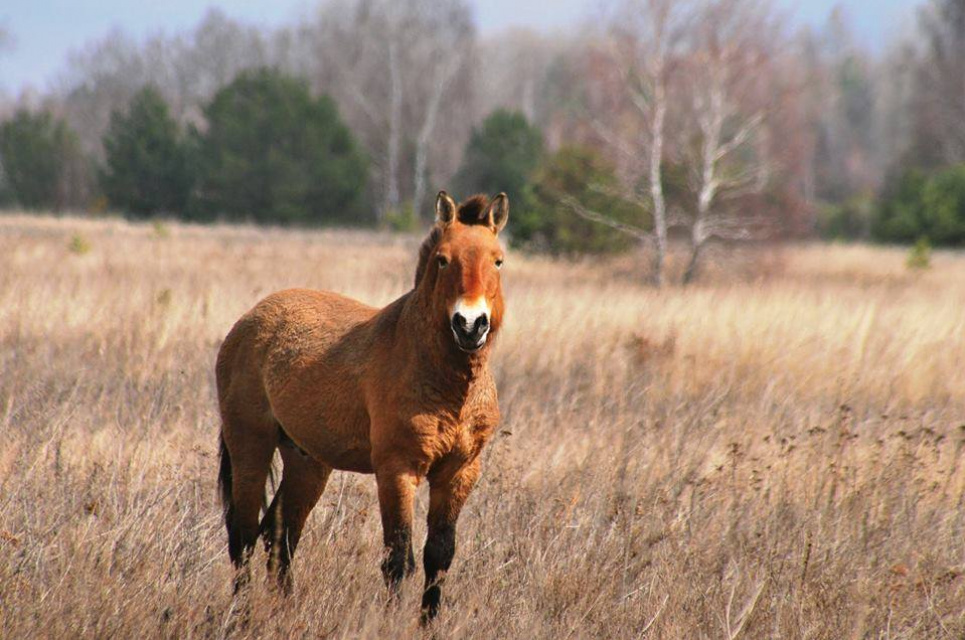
403, 392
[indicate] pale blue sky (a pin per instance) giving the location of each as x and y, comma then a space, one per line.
46, 30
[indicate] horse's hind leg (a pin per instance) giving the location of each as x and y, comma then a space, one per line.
251, 446
302, 484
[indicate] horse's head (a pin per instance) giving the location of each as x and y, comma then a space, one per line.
459, 267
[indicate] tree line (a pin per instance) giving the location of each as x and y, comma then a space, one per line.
697, 119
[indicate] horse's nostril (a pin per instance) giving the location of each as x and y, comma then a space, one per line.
474, 329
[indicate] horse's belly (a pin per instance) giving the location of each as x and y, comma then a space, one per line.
358, 460
335, 433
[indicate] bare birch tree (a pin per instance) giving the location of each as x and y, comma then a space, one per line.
7, 44
443, 76
942, 84
655, 32
392, 197
726, 75
443, 50
513, 72
188, 69
394, 66
643, 41
99, 79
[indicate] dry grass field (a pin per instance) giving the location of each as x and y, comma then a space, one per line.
774, 453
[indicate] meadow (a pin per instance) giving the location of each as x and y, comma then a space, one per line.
775, 452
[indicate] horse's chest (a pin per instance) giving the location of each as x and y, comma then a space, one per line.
443, 434
445, 421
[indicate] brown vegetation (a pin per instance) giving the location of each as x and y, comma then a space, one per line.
775, 455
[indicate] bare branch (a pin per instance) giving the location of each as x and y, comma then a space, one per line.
623, 194
739, 138
594, 216
615, 141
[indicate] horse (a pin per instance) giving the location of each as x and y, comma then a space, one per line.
404, 393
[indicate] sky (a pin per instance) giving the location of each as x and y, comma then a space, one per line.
45, 31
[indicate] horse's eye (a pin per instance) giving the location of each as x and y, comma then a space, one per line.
443, 261
499, 262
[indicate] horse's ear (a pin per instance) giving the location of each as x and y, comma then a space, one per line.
445, 209
497, 213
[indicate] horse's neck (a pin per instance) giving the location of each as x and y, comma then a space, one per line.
437, 361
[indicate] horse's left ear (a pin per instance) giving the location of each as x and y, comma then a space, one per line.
497, 213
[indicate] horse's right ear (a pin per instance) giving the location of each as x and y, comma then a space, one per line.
445, 209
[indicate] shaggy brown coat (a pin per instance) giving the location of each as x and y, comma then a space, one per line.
336, 384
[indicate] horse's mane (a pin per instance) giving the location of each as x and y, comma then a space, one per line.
470, 212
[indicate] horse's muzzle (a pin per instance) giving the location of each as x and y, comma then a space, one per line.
470, 336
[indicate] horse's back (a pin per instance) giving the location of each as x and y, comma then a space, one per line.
285, 332
316, 318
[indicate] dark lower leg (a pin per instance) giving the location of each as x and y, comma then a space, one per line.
283, 550
241, 543
449, 485
396, 491
276, 541
439, 551
399, 560
302, 485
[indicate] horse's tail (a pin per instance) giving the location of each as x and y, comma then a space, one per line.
224, 481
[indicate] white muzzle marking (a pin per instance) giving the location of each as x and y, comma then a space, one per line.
471, 310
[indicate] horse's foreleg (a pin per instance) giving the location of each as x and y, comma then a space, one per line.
450, 486
396, 493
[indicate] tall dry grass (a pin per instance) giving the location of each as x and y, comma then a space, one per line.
772, 454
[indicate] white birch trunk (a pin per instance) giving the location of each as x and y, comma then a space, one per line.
656, 176
711, 125
443, 75
394, 147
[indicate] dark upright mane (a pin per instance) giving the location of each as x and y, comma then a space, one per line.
470, 213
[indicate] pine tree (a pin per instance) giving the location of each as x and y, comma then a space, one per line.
147, 170
275, 154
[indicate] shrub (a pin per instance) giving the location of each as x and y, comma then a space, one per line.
79, 245
403, 220
545, 223
923, 206
943, 207
849, 220
919, 256
161, 230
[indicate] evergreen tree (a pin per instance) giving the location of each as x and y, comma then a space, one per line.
39, 162
274, 154
147, 170
501, 155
